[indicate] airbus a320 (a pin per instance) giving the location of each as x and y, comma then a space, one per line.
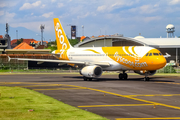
92, 61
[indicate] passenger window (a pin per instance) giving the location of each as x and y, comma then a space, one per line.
150, 54
155, 54
160, 53
147, 54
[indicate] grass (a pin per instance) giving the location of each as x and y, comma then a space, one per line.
16, 102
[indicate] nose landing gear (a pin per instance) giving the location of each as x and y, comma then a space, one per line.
146, 78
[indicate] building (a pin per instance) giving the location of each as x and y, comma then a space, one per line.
3, 43
14, 41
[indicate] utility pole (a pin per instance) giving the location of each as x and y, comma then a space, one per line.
42, 27
8, 37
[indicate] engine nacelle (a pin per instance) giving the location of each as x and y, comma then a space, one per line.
143, 73
91, 71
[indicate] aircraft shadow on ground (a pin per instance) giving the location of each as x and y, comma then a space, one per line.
152, 79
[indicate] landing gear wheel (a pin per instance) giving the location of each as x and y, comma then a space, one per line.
85, 78
90, 79
125, 76
120, 76
146, 78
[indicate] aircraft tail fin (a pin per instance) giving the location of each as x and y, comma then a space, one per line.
61, 38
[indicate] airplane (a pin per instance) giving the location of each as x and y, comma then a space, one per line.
92, 61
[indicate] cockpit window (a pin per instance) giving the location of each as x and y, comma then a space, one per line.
155, 54
160, 53
150, 54
147, 54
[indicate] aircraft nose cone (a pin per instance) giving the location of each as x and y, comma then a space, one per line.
160, 62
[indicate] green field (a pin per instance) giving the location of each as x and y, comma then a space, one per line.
24, 104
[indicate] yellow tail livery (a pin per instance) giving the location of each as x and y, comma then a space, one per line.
62, 42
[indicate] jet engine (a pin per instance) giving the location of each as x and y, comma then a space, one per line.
141, 72
91, 71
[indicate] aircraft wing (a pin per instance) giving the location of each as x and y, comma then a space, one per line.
103, 64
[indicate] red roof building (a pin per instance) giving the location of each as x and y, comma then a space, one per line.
1, 36
23, 45
82, 38
24, 40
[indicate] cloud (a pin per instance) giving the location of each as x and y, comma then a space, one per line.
145, 9
7, 17
101, 8
53, 0
154, 18
148, 9
116, 4
43, 6
2, 5
47, 15
60, 5
84, 15
1, 13
30, 6
174, 2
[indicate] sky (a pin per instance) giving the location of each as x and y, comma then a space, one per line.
108, 17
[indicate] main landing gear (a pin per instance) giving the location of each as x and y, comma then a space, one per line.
87, 79
123, 76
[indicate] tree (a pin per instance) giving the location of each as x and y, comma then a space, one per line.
19, 41
73, 41
53, 44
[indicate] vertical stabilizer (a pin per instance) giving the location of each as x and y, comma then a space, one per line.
61, 39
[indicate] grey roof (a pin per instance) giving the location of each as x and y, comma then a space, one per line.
153, 42
161, 42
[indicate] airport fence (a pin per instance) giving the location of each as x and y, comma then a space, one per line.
13, 64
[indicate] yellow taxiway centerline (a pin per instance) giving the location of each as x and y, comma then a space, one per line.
153, 95
58, 89
97, 90
137, 99
21, 83
116, 105
40, 85
169, 83
160, 118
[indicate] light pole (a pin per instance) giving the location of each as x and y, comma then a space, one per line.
17, 34
82, 30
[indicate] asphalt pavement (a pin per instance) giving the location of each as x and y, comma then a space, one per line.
131, 99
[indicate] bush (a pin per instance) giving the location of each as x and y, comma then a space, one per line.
169, 69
